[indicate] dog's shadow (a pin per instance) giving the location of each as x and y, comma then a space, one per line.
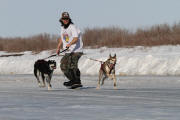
83, 88
66, 89
88, 87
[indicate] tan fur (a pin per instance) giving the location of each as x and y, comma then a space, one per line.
107, 70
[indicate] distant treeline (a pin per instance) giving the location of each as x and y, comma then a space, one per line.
35, 43
163, 34
117, 37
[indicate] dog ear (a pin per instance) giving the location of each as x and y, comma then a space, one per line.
49, 61
109, 55
115, 55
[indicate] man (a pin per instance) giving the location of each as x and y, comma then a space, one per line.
72, 41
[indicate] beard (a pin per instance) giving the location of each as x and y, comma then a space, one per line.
66, 25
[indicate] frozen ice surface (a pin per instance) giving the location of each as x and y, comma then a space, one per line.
137, 98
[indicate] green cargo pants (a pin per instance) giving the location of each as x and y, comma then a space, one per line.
69, 66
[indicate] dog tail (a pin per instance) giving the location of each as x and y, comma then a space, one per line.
35, 73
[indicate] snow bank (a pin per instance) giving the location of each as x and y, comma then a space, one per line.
162, 60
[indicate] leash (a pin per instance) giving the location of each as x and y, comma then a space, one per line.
57, 54
94, 59
83, 54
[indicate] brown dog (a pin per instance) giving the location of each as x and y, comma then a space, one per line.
107, 70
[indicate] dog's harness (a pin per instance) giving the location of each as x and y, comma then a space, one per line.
110, 65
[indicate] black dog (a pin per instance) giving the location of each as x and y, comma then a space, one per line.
45, 70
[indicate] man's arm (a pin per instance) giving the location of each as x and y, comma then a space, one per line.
59, 45
74, 41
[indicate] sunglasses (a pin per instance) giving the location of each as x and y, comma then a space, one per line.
65, 18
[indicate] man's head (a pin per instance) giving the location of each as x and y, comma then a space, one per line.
65, 19
65, 15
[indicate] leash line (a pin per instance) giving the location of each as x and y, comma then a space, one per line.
83, 54
57, 54
94, 59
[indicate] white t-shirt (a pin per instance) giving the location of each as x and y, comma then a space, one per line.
67, 36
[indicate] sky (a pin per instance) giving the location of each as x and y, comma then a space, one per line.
22, 18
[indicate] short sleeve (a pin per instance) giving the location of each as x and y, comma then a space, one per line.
74, 31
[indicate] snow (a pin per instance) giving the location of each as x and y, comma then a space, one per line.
137, 98
160, 60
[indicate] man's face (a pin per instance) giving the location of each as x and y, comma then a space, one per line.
65, 21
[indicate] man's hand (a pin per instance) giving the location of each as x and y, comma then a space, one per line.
74, 41
57, 51
68, 45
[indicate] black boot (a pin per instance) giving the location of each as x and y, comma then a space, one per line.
67, 84
70, 76
74, 86
76, 80
74, 76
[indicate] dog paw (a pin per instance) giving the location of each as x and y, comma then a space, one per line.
115, 88
49, 88
97, 88
41, 85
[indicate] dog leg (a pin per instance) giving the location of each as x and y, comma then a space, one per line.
103, 80
43, 77
37, 74
100, 77
48, 80
50, 75
114, 79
